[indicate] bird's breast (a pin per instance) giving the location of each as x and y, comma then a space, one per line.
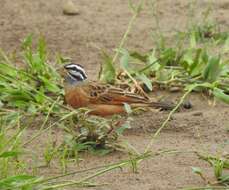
76, 98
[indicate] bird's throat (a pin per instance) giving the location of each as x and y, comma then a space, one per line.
70, 83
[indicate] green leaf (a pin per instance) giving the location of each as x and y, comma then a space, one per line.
163, 75
187, 60
1, 104
124, 60
195, 86
196, 61
32, 108
18, 181
193, 40
27, 42
50, 85
40, 96
127, 108
42, 49
146, 81
168, 56
125, 126
135, 8
197, 170
212, 70
224, 179
226, 45
9, 154
219, 94
107, 72
218, 168
139, 56
6, 69
151, 64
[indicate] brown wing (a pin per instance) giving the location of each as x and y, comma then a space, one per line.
106, 94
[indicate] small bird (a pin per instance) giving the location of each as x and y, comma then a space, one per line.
101, 99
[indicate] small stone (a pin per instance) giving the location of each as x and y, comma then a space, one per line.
175, 89
198, 113
69, 8
187, 105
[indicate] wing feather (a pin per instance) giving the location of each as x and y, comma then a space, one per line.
106, 94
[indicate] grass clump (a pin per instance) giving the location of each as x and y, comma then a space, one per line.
29, 86
220, 165
35, 88
31, 94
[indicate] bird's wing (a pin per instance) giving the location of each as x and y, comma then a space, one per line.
107, 94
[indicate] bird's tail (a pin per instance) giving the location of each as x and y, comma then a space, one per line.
162, 105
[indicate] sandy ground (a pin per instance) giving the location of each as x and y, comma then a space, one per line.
101, 25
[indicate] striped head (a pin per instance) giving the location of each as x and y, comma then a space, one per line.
74, 73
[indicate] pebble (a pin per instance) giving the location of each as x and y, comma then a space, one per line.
175, 89
69, 8
198, 113
187, 105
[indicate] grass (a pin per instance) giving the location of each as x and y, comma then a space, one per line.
219, 165
31, 94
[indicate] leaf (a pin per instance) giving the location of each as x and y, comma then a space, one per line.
153, 63
50, 85
124, 60
197, 170
32, 109
219, 94
196, 61
168, 56
135, 8
212, 70
218, 168
197, 86
127, 108
224, 179
125, 126
107, 72
27, 42
42, 49
226, 45
193, 40
163, 75
187, 60
9, 154
1, 104
18, 181
6, 69
146, 81
139, 56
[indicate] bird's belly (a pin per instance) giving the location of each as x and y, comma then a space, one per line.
106, 110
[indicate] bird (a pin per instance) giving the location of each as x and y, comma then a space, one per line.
100, 98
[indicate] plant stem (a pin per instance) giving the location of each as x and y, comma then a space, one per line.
131, 22
109, 168
167, 120
43, 124
206, 188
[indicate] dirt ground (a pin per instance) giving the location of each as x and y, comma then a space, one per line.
100, 25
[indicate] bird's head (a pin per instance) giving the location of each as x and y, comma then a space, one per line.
73, 73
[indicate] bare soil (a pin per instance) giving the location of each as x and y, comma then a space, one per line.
100, 25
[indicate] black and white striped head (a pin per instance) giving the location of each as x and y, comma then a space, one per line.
75, 72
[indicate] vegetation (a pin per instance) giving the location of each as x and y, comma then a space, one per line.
31, 95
